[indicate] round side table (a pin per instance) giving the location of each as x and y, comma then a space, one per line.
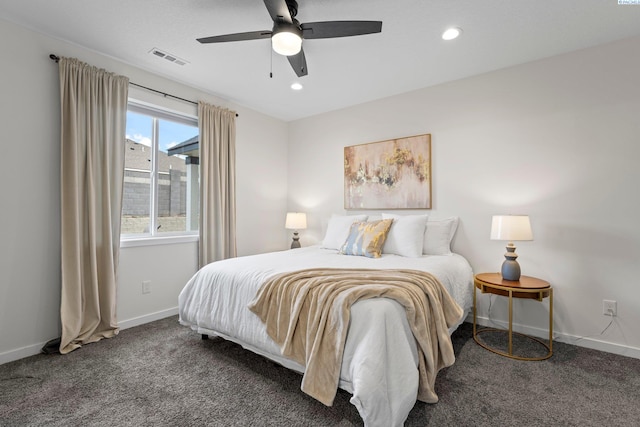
527, 287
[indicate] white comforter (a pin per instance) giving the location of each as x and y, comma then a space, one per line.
379, 366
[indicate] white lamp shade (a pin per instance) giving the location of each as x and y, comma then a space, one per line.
296, 221
286, 43
511, 228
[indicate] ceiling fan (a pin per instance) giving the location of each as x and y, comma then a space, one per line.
287, 33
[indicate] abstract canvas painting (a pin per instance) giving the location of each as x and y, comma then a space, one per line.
393, 174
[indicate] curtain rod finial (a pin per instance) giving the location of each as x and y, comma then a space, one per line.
54, 58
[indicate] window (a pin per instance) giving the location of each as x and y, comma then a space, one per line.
161, 176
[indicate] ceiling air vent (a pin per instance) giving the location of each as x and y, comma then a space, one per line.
169, 57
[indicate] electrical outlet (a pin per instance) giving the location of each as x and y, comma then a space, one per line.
146, 286
609, 307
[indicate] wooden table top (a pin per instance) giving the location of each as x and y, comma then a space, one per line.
525, 282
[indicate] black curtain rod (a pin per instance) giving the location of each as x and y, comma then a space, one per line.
56, 58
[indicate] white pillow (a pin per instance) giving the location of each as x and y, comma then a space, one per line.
406, 235
438, 236
338, 230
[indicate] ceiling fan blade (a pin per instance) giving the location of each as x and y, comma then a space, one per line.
251, 35
298, 63
278, 10
331, 29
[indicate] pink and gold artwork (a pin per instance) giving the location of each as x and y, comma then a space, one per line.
393, 174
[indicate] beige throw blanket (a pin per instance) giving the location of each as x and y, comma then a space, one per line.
307, 312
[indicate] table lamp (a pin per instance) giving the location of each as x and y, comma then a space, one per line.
511, 228
296, 221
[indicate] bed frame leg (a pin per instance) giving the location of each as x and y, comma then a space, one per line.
205, 336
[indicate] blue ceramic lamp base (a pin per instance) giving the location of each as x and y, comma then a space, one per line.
510, 267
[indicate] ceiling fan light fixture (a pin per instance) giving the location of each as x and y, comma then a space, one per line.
286, 40
451, 33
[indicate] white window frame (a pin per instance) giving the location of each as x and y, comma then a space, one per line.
154, 238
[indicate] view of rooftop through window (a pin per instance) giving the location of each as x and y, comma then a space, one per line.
161, 186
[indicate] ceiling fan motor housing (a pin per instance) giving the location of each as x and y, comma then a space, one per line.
279, 27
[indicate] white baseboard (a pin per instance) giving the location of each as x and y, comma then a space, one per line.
147, 318
32, 350
21, 353
587, 342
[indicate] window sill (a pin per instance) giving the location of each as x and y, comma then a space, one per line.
133, 242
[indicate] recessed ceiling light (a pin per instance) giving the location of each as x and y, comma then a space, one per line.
451, 33
296, 86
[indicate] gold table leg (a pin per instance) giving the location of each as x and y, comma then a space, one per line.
550, 322
510, 323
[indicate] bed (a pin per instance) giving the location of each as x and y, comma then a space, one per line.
380, 359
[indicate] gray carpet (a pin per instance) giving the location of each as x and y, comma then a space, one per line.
163, 374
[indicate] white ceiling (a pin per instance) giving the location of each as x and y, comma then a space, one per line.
409, 53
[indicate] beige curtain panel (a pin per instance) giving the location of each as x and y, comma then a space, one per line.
217, 183
93, 120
